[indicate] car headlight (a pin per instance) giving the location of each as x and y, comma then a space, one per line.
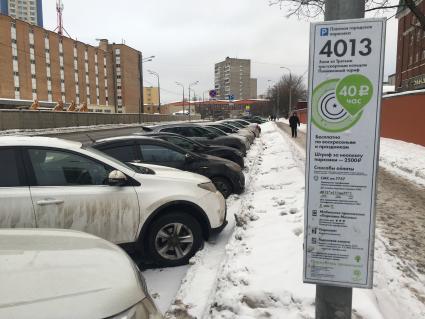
209, 186
144, 309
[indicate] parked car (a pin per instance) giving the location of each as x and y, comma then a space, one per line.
200, 134
50, 274
191, 145
226, 175
232, 129
254, 119
242, 126
54, 183
249, 136
253, 126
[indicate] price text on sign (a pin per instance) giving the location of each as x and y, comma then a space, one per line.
345, 85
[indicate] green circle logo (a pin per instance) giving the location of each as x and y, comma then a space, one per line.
354, 92
337, 105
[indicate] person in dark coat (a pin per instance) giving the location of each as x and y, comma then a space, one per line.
294, 122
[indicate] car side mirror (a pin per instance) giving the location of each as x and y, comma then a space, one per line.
117, 178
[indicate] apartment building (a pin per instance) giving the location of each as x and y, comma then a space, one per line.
40, 64
27, 10
410, 69
232, 78
151, 99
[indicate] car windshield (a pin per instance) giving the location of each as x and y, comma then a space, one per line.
222, 127
216, 130
236, 124
233, 127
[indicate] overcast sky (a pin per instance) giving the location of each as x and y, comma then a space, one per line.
189, 36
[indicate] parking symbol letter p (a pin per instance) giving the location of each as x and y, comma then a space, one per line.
324, 32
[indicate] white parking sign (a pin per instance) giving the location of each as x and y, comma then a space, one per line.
345, 87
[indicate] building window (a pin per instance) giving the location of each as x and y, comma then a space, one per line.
410, 60
423, 54
417, 57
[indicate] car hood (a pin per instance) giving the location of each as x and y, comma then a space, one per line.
222, 148
166, 172
220, 160
61, 274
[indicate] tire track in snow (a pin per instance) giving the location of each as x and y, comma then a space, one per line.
206, 264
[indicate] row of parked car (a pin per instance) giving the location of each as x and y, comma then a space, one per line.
159, 193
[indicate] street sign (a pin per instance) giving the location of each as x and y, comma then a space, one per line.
213, 93
231, 97
345, 88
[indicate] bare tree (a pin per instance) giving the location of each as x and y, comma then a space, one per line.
288, 84
314, 8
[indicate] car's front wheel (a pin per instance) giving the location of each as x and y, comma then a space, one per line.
174, 238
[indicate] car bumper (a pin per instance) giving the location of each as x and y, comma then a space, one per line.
239, 183
220, 228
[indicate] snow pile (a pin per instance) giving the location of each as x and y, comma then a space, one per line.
404, 159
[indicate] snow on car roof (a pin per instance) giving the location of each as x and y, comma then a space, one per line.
38, 141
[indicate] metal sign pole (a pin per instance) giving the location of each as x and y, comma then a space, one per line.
336, 302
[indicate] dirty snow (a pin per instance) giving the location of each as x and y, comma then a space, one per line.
259, 274
403, 159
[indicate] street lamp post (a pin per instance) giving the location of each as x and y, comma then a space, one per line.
159, 89
190, 85
290, 88
142, 97
180, 84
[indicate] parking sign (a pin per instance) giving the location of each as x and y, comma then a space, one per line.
345, 88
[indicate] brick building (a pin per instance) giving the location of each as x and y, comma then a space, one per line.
410, 70
151, 99
39, 64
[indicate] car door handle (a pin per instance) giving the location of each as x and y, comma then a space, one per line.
49, 201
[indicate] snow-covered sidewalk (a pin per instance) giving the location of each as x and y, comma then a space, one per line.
260, 273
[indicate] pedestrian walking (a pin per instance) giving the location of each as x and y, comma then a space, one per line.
294, 122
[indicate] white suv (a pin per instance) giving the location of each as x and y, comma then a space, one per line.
50, 274
54, 183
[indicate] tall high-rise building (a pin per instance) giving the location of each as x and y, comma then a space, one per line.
232, 78
27, 10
